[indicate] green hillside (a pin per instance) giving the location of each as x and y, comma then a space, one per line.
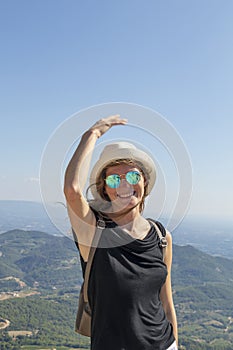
40, 277
49, 260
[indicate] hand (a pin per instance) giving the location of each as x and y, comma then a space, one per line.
103, 125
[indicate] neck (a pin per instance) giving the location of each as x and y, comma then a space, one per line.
126, 218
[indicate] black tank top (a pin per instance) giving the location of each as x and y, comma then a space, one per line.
124, 288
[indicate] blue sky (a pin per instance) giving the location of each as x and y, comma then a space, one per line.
175, 57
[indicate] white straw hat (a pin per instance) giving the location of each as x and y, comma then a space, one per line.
122, 150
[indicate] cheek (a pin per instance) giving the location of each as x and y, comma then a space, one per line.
145, 192
109, 192
143, 189
103, 193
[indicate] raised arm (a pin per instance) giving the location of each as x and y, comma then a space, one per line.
81, 216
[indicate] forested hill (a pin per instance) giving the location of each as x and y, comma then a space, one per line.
54, 261
48, 260
46, 269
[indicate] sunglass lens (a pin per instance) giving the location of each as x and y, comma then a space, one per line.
113, 181
133, 177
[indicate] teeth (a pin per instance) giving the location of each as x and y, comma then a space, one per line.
126, 195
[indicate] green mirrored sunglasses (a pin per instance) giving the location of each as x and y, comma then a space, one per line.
114, 180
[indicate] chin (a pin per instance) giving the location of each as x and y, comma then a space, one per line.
119, 207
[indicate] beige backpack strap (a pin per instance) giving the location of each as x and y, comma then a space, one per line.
100, 225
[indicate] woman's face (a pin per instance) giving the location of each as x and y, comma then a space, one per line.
126, 195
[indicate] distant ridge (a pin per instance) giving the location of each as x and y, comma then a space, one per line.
25, 215
212, 237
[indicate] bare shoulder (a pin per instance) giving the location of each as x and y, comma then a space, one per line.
83, 228
168, 250
168, 237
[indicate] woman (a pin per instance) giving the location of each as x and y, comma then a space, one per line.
130, 285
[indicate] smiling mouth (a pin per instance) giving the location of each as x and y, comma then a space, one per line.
126, 195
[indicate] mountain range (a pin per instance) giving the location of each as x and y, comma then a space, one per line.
38, 256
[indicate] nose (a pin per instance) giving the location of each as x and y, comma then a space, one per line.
124, 182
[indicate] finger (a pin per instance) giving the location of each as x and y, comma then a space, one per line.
119, 122
115, 120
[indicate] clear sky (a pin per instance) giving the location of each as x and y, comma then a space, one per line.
175, 57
